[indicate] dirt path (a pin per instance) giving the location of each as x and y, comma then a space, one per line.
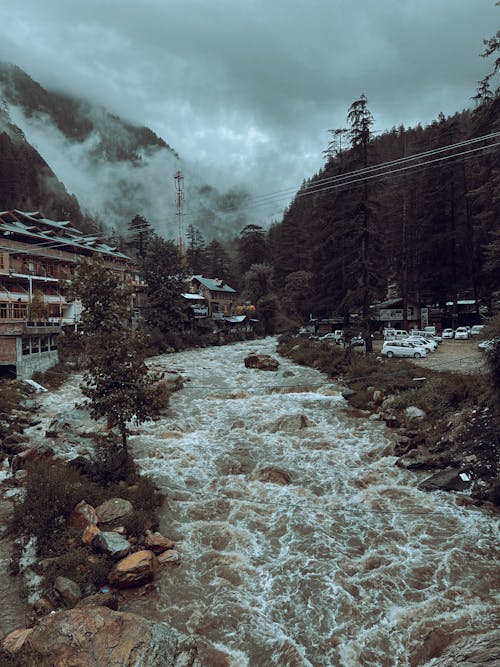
459, 356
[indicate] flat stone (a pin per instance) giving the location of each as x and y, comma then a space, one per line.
67, 590
158, 543
169, 558
14, 641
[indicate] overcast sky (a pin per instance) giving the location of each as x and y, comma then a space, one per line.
247, 89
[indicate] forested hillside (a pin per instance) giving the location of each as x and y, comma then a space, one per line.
429, 225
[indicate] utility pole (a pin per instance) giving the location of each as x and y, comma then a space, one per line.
179, 189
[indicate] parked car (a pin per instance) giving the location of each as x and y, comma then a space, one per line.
430, 345
402, 348
431, 329
336, 336
477, 329
395, 334
448, 333
489, 345
462, 333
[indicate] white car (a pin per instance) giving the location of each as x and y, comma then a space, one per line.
448, 333
429, 344
402, 348
477, 329
462, 333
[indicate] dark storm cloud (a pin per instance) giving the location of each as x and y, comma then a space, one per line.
247, 89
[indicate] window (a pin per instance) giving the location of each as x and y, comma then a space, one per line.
26, 346
44, 344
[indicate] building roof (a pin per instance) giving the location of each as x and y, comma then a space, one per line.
56, 235
214, 284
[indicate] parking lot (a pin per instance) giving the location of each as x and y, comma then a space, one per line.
459, 356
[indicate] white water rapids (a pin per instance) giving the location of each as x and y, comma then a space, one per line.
349, 564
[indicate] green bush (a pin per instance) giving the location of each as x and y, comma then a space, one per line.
111, 463
81, 565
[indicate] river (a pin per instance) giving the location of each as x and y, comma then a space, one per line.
348, 564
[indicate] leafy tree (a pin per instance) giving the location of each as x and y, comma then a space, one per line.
267, 311
116, 383
297, 291
218, 263
258, 281
165, 277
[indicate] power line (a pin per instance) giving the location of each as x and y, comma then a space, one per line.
362, 175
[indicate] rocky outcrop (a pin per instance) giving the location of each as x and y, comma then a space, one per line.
134, 570
263, 362
97, 636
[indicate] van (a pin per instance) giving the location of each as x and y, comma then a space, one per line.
395, 334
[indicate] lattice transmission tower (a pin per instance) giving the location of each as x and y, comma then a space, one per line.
179, 189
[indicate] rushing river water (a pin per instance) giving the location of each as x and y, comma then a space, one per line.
349, 564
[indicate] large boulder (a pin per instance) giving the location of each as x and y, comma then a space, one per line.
97, 636
263, 362
451, 479
113, 511
134, 570
273, 475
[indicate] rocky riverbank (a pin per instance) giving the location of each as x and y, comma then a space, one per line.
446, 424
86, 561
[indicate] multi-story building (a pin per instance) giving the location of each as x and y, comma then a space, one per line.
37, 256
210, 297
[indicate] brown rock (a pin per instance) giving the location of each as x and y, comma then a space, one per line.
109, 600
158, 543
263, 362
134, 570
67, 590
14, 641
83, 515
112, 543
100, 637
274, 475
90, 533
42, 607
169, 558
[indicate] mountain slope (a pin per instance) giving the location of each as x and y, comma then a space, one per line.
113, 168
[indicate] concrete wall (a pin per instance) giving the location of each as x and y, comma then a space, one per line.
33, 363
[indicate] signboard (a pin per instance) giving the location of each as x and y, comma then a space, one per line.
199, 311
424, 317
388, 314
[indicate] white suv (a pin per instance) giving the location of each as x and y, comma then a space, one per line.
402, 348
462, 333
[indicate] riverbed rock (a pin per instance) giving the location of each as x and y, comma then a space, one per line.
169, 558
158, 543
90, 533
83, 515
273, 475
111, 543
446, 480
477, 651
98, 636
68, 590
263, 362
414, 413
422, 459
113, 511
14, 641
288, 423
22, 459
134, 570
